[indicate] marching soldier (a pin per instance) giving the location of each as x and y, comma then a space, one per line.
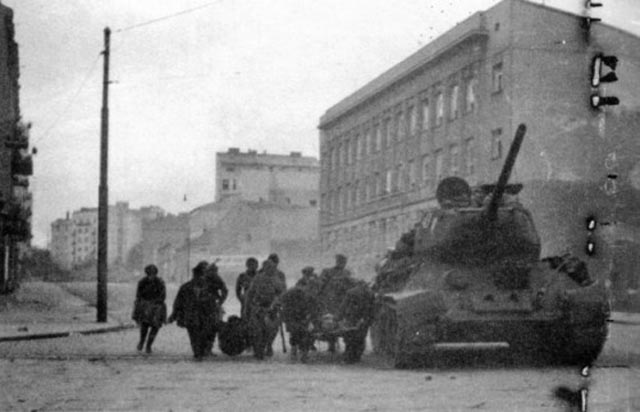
244, 281
299, 308
220, 291
150, 311
259, 310
334, 283
195, 308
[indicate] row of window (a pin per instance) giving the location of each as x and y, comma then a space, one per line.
386, 230
229, 184
416, 173
419, 113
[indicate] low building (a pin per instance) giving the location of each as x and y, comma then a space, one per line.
260, 177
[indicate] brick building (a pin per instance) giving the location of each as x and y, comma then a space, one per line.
261, 177
15, 161
452, 108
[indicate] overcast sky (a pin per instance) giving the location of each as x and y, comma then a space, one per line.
232, 73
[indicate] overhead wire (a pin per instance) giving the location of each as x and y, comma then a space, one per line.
71, 101
159, 19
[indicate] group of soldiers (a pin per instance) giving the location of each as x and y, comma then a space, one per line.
326, 307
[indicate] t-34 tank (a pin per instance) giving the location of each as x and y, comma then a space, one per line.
470, 272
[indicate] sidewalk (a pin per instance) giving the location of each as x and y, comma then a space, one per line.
40, 310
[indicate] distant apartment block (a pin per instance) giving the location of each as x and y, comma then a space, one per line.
74, 238
260, 177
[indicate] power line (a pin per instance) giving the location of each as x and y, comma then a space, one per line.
159, 19
71, 101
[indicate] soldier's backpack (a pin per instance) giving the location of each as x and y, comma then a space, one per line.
233, 338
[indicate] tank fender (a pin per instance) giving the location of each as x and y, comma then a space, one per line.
587, 304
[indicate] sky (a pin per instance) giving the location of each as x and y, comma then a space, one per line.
194, 77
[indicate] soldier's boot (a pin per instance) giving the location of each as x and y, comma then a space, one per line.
294, 353
152, 336
143, 336
304, 356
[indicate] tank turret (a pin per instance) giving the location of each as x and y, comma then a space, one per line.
479, 227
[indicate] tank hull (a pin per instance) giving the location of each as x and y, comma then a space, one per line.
569, 326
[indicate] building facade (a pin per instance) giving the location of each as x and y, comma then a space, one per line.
15, 161
74, 239
452, 108
261, 177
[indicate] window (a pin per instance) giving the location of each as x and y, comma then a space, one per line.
313, 202
376, 143
453, 109
392, 131
354, 194
496, 83
347, 148
234, 185
413, 178
401, 126
439, 156
425, 114
470, 157
439, 108
354, 149
496, 144
454, 153
229, 169
375, 187
426, 170
337, 153
225, 184
470, 101
396, 183
366, 138
389, 183
385, 130
411, 120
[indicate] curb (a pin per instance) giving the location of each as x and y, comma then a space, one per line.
53, 335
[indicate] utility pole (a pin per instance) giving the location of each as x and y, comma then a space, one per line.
103, 190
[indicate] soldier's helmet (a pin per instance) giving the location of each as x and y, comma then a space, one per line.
307, 270
274, 258
200, 268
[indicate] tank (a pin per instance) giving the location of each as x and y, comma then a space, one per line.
470, 272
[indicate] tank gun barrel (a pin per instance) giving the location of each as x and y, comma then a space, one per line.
496, 196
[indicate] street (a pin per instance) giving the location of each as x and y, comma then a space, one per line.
105, 372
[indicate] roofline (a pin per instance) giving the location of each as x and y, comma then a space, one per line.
470, 28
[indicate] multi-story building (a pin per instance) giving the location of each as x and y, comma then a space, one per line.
261, 177
452, 108
81, 230
15, 161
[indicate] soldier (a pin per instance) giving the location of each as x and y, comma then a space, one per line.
195, 308
244, 281
220, 291
276, 260
334, 283
299, 308
259, 311
356, 315
150, 311
309, 280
